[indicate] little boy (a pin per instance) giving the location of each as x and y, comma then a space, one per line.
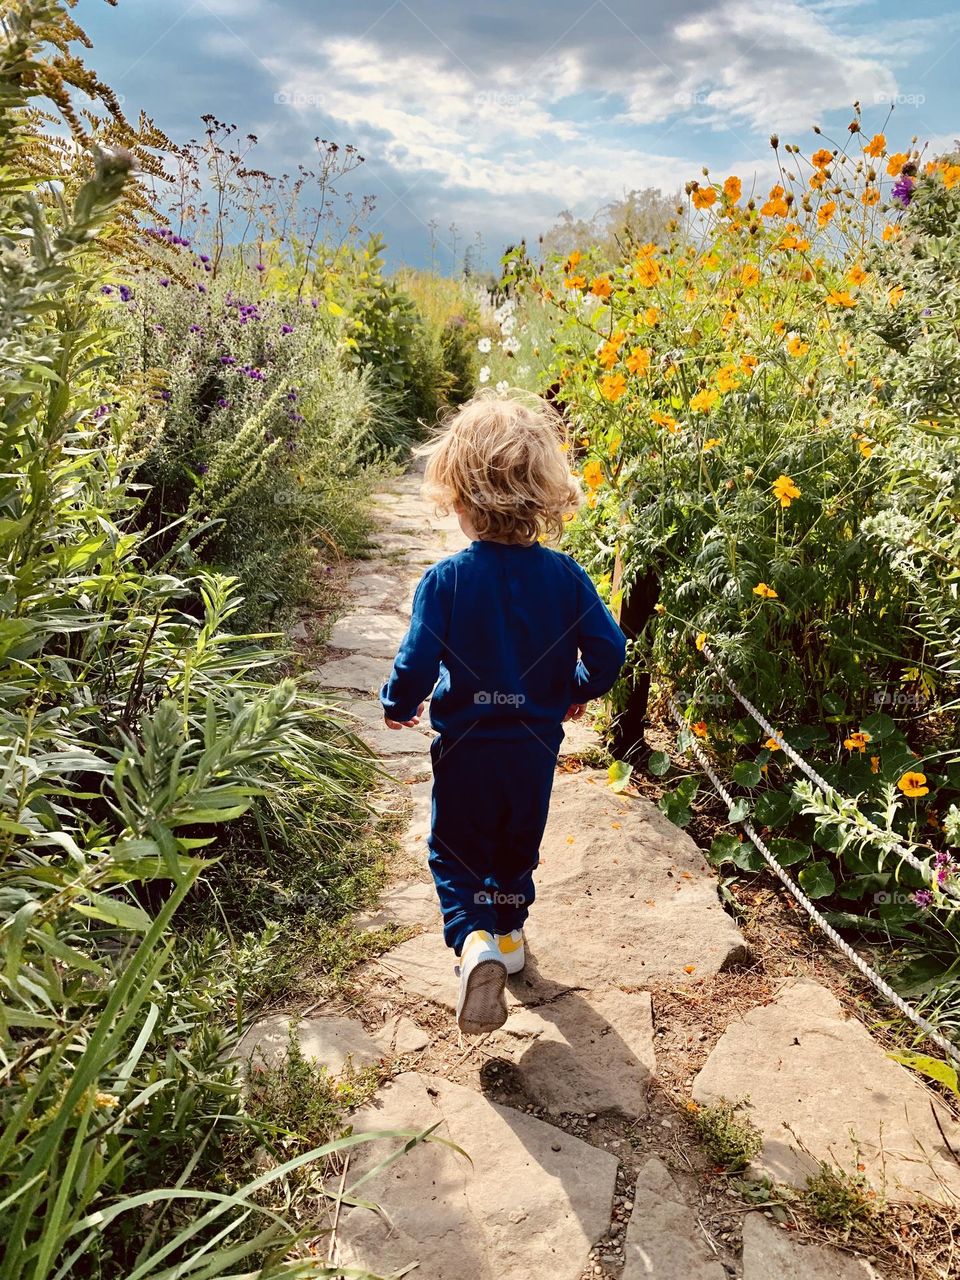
520, 641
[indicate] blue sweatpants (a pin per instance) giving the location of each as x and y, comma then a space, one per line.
490, 802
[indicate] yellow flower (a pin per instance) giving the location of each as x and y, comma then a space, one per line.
896, 163
712, 443
876, 146
785, 489
750, 275
796, 346
701, 640
651, 316
607, 355
572, 261
612, 386
105, 1100
761, 589
951, 176
704, 400
895, 296
856, 274
857, 741
865, 447
841, 298
732, 189
874, 764
601, 287
890, 231
575, 282
826, 212
914, 785
638, 361
703, 197
593, 474
700, 728
748, 364
727, 378
822, 158
772, 744
871, 196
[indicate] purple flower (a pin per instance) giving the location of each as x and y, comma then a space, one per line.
202, 468
202, 288
903, 190
254, 373
923, 898
941, 859
314, 303
293, 393
195, 328
101, 411
105, 288
166, 395
222, 403
286, 328
227, 360
260, 267
944, 874
164, 282
126, 293
204, 258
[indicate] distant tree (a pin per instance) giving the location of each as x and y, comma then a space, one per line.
637, 217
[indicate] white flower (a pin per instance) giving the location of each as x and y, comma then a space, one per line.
508, 325
484, 374
484, 345
511, 344
523, 370
503, 387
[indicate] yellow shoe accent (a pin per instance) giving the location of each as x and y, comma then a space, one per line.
508, 943
510, 946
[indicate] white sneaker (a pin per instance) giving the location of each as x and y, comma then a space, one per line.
510, 946
483, 975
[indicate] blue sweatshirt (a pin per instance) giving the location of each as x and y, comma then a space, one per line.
511, 636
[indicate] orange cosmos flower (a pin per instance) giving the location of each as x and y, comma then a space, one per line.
572, 261
748, 364
896, 163
726, 378
593, 475
796, 346
876, 146
826, 212
890, 232
712, 443
856, 274
732, 189
857, 741
638, 361
840, 298
651, 316
767, 593
648, 272
776, 206
601, 287
575, 282
951, 176
785, 489
664, 420
703, 197
750, 275
612, 386
895, 296
871, 196
822, 158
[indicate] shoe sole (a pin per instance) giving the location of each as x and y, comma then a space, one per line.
484, 1007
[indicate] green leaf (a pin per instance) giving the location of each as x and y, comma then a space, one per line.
746, 774
932, 1068
738, 811
878, 725
659, 763
619, 775
113, 911
748, 857
771, 808
723, 848
788, 852
817, 880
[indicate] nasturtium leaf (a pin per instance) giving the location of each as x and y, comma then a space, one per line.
618, 775
817, 880
659, 763
746, 774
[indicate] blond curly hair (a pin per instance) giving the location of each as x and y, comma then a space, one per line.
499, 462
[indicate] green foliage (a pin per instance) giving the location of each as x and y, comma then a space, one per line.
731, 1140
842, 1200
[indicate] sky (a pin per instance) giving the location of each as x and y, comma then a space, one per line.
494, 118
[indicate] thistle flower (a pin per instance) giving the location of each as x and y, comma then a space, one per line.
923, 898
902, 191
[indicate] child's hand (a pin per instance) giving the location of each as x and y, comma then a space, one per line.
405, 724
575, 712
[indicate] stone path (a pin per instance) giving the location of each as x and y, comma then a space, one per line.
626, 908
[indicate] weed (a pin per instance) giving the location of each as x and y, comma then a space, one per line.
731, 1140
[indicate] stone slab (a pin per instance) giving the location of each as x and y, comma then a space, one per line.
375, 590
404, 904
531, 1204
369, 631
802, 1062
584, 1051
332, 1042
663, 1241
401, 1035
770, 1251
357, 672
